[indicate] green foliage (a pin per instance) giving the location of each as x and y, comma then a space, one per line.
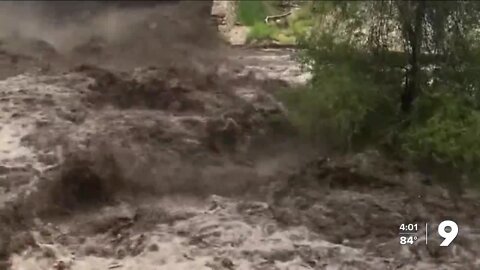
362, 54
301, 20
294, 26
343, 102
448, 135
262, 31
301, 28
251, 12
283, 38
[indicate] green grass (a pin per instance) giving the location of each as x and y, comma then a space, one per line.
261, 31
251, 12
285, 39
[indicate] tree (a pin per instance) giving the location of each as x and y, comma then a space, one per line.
402, 74
411, 19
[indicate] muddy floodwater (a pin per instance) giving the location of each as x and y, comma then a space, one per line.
133, 137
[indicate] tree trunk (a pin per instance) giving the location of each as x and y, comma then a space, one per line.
414, 37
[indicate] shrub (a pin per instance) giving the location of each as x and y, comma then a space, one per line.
345, 104
261, 31
448, 136
359, 74
251, 12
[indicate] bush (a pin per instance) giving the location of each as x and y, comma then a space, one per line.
301, 27
284, 38
251, 12
344, 104
351, 103
449, 136
261, 31
359, 73
339, 108
347, 105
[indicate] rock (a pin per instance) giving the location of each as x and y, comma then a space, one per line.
227, 263
237, 36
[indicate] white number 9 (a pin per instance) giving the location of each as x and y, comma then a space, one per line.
450, 235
